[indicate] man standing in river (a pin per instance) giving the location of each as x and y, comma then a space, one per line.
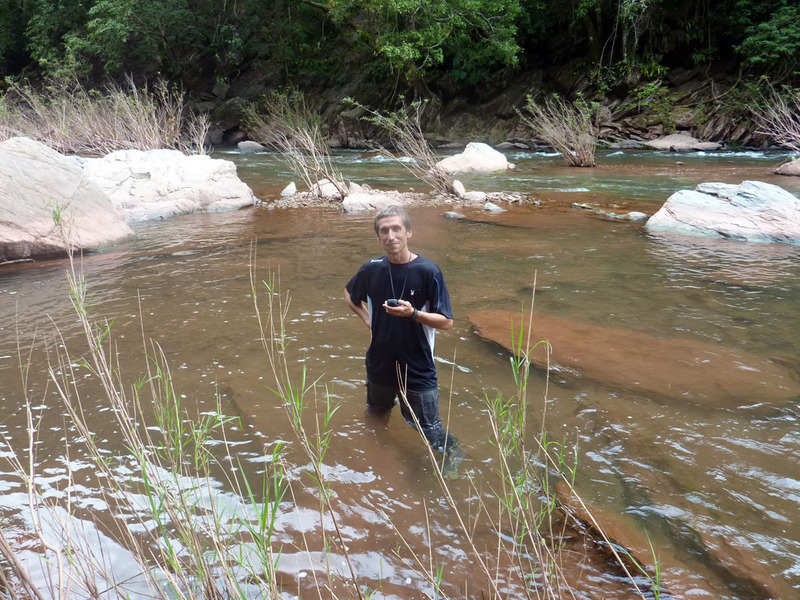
403, 300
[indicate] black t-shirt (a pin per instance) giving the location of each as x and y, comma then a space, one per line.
398, 340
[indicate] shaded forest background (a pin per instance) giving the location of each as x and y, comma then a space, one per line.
467, 55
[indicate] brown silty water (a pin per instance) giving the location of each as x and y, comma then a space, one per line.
712, 477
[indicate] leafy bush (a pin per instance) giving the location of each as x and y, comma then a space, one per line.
473, 37
775, 43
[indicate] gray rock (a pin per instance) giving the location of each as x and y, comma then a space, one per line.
220, 89
162, 183
753, 211
682, 142
326, 189
634, 216
629, 145
476, 197
790, 168
215, 136
38, 187
372, 201
250, 147
722, 190
451, 214
354, 188
289, 190
459, 188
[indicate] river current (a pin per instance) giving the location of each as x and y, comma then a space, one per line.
697, 473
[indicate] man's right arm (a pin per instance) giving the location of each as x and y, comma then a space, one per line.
359, 308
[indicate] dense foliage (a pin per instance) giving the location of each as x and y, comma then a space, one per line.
466, 42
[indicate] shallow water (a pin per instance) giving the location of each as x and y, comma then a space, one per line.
687, 469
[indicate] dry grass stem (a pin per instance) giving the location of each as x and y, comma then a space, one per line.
288, 123
73, 120
566, 127
779, 119
404, 128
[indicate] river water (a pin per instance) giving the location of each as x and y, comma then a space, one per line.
715, 481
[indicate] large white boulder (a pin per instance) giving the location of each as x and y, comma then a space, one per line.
162, 183
753, 211
682, 142
475, 157
45, 196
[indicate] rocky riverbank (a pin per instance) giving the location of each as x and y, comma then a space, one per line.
690, 101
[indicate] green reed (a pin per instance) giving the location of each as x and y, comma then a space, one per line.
165, 507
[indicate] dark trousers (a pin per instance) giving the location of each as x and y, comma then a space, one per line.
424, 403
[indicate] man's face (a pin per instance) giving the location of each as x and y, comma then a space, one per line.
393, 235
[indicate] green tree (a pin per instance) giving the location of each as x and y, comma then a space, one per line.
50, 24
618, 31
772, 42
173, 36
473, 38
13, 54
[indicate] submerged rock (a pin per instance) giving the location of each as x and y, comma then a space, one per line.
40, 188
633, 215
491, 207
670, 368
753, 211
632, 545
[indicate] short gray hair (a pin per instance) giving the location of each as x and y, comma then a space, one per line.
393, 210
